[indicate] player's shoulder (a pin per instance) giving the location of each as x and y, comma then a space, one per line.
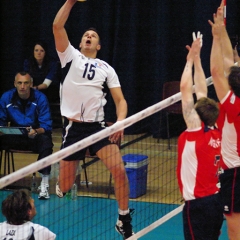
102, 62
40, 231
2, 224
38, 228
69, 51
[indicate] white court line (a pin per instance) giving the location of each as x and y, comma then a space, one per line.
157, 223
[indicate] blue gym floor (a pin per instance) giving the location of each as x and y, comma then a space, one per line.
93, 218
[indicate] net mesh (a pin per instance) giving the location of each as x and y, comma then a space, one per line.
93, 215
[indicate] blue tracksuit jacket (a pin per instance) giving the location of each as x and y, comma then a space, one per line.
35, 112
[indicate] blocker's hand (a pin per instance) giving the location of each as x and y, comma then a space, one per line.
199, 35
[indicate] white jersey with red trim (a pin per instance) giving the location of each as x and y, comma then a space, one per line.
198, 162
25, 231
81, 92
229, 124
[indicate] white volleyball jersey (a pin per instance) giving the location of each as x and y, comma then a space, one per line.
25, 232
81, 91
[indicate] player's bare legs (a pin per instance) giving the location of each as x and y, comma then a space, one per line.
67, 174
233, 221
111, 157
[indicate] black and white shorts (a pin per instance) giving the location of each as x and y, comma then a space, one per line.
203, 218
230, 190
76, 131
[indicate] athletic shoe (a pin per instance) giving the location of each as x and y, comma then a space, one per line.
39, 187
123, 225
43, 195
59, 192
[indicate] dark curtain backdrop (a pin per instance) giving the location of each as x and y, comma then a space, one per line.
143, 40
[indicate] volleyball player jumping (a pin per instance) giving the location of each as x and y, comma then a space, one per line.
82, 101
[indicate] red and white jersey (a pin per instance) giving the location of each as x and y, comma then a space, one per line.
82, 89
25, 231
229, 123
198, 162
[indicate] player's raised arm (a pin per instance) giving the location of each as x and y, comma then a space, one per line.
199, 76
226, 45
59, 32
217, 60
189, 114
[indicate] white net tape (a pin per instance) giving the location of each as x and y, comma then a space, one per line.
56, 157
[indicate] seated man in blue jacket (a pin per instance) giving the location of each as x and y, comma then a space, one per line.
24, 106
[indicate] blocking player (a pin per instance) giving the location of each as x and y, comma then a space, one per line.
199, 153
226, 80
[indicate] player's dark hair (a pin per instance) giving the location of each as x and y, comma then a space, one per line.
234, 80
15, 207
207, 110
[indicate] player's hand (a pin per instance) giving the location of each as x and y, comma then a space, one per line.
199, 35
219, 15
216, 28
114, 138
194, 50
218, 21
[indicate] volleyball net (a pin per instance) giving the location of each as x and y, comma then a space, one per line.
93, 215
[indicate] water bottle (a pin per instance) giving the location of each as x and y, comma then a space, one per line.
74, 192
